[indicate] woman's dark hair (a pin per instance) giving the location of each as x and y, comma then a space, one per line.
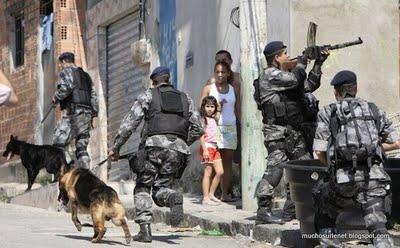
227, 67
207, 100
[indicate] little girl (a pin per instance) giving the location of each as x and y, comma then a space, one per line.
209, 154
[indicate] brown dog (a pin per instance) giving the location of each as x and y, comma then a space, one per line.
85, 191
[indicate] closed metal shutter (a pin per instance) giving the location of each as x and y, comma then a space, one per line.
124, 80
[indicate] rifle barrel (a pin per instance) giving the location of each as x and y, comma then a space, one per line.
346, 44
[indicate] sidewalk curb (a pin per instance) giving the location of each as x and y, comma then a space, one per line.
287, 235
274, 234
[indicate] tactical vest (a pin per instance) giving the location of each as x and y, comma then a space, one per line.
355, 126
81, 94
168, 113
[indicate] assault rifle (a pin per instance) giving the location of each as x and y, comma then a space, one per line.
313, 51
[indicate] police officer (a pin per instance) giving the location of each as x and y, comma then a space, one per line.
171, 124
77, 97
352, 186
279, 95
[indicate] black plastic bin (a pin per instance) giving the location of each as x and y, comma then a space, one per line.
302, 176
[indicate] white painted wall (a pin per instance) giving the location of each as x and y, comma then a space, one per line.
204, 27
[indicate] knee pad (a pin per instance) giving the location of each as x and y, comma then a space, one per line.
273, 175
263, 189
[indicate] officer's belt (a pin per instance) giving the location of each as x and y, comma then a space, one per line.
73, 106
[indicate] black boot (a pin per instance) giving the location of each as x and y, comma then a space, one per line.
176, 206
264, 212
289, 211
265, 216
144, 234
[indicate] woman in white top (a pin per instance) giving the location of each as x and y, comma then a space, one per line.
229, 107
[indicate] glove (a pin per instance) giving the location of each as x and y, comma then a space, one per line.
323, 55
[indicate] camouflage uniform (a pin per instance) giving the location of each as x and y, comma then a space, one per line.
283, 141
76, 120
364, 189
165, 157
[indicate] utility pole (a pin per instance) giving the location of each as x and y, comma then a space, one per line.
253, 32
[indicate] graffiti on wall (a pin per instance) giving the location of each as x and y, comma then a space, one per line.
168, 37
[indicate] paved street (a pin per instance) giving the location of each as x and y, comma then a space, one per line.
32, 227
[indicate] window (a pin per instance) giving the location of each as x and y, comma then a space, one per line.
19, 40
63, 3
63, 32
46, 7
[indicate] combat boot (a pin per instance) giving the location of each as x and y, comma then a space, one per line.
176, 206
265, 216
144, 234
264, 212
383, 242
289, 211
329, 242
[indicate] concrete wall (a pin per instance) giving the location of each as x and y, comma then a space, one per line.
203, 28
376, 62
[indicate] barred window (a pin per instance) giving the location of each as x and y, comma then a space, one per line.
19, 40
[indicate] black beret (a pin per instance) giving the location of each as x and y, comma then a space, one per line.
68, 56
273, 47
344, 77
161, 70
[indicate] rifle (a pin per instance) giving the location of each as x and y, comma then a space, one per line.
313, 51
120, 157
51, 107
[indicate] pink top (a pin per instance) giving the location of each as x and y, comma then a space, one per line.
210, 131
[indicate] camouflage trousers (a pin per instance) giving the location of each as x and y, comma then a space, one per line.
161, 167
369, 196
76, 126
283, 144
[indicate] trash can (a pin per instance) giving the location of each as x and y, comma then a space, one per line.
302, 175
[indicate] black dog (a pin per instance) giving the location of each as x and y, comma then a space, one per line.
35, 157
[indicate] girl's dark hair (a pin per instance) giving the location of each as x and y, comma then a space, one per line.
207, 100
227, 67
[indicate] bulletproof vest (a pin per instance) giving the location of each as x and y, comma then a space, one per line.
355, 126
288, 111
81, 94
168, 113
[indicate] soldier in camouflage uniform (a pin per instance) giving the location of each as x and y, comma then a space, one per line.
171, 125
77, 97
279, 95
349, 185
